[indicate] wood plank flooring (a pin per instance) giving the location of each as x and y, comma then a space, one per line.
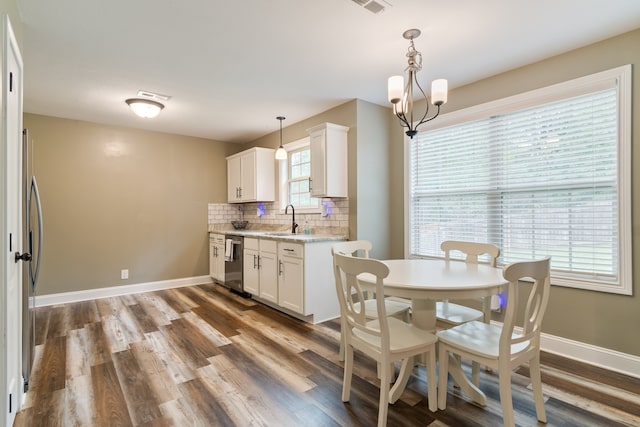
202, 356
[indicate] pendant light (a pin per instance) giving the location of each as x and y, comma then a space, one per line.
281, 153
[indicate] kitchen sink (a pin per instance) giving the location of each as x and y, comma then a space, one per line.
280, 234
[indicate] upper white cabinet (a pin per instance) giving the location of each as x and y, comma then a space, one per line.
328, 160
251, 176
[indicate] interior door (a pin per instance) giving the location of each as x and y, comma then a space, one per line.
12, 139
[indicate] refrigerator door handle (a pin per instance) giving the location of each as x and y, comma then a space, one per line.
36, 193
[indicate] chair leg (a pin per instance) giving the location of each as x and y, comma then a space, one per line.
536, 385
348, 370
432, 392
504, 375
443, 375
383, 410
342, 339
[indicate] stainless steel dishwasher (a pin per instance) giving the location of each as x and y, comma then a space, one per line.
234, 247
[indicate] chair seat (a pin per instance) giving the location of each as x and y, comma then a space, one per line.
393, 308
478, 338
456, 314
403, 336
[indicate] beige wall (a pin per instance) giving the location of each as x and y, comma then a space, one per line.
604, 320
373, 195
117, 198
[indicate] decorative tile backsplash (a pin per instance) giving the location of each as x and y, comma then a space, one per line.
220, 216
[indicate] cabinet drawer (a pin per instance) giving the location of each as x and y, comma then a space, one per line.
251, 243
216, 238
290, 249
268, 246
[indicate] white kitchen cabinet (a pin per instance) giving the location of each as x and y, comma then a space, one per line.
328, 146
269, 270
251, 176
250, 272
260, 274
292, 275
291, 282
216, 257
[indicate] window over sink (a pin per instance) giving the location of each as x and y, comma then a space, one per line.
294, 178
543, 173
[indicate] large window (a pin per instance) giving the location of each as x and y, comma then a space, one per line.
545, 173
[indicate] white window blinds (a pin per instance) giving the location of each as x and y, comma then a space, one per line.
538, 181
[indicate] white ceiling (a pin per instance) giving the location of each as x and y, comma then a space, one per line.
232, 66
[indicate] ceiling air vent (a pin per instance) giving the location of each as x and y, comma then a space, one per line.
153, 96
372, 5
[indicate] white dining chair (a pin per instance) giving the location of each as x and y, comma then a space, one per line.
394, 307
385, 339
502, 347
449, 314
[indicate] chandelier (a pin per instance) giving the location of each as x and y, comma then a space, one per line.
401, 95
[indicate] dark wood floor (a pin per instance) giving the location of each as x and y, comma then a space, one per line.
201, 356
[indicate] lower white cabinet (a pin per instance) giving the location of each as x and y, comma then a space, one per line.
291, 276
250, 272
260, 275
294, 277
216, 257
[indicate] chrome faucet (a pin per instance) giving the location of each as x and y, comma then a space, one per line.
293, 218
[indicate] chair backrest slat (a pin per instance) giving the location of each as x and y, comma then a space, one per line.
359, 248
518, 274
472, 250
350, 290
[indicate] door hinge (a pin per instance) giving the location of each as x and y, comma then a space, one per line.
10, 82
10, 401
10, 242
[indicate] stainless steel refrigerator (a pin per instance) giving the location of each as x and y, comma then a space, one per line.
32, 235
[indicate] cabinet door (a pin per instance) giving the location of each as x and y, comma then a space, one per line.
233, 179
219, 260
248, 176
291, 284
269, 276
318, 163
213, 266
251, 277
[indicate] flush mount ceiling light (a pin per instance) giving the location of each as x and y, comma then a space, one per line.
145, 108
148, 104
281, 153
401, 96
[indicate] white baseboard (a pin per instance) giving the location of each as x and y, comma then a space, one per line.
605, 358
612, 360
114, 291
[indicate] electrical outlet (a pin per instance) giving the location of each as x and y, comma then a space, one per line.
124, 274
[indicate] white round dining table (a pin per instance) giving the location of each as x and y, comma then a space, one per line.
425, 281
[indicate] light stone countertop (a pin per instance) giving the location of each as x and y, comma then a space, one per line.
282, 235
